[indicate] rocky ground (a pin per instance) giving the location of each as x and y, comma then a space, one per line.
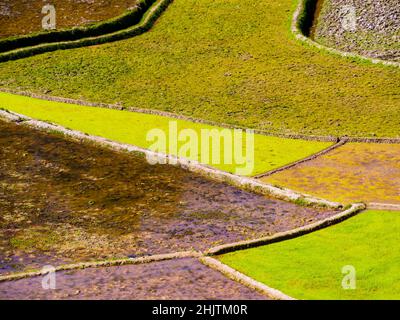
374, 33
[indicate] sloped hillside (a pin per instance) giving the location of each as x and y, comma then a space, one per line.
228, 61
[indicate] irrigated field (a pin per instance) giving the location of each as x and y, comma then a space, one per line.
374, 33
310, 267
24, 17
179, 279
230, 61
354, 172
62, 201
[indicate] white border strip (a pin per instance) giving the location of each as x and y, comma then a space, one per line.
383, 206
243, 279
104, 263
287, 235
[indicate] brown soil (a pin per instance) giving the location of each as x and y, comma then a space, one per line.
175, 279
354, 172
19, 17
63, 201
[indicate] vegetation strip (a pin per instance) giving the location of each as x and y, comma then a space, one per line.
193, 166
149, 17
105, 263
243, 279
169, 115
312, 157
301, 22
242, 245
269, 152
337, 140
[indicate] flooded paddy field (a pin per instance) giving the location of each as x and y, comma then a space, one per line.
175, 279
62, 201
18, 17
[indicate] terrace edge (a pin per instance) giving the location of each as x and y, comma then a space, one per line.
300, 20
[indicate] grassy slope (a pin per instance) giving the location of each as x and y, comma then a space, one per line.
130, 127
232, 61
310, 267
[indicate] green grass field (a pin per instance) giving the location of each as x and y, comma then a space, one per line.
310, 267
132, 128
233, 61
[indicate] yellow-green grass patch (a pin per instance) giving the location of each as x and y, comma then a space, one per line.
132, 128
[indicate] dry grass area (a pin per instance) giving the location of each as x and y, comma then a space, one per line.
354, 172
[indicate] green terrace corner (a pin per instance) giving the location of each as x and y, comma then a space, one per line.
315, 266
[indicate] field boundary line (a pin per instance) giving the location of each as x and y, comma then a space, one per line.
168, 115
383, 206
246, 183
116, 23
287, 235
333, 139
296, 163
241, 278
103, 263
299, 35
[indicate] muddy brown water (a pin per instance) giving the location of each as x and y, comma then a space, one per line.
18, 17
62, 201
175, 279
318, 7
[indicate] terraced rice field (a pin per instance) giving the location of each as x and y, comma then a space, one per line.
132, 128
375, 32
167, 280
352, 173
63, 202
232, 62
310, 267
204, 59
24, 17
